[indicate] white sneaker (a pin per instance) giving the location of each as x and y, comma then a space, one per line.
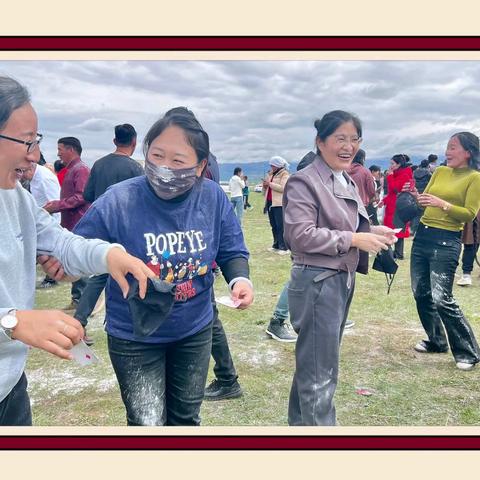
465, 280
271, 249
465, 366
283, 252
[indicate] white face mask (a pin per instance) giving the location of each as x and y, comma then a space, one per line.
169, 183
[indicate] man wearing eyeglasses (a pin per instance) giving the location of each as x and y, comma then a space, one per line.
26, 231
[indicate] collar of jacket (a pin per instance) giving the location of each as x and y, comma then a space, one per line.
74, 162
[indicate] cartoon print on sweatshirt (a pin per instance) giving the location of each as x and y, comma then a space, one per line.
167, 253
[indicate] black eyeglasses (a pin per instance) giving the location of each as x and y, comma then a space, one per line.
30, 145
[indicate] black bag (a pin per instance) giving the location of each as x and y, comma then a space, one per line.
406, 209
150, 313
385, 262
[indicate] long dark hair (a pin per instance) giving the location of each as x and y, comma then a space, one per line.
332, 120
401, 159
470, 143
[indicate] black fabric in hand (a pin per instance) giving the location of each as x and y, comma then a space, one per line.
150, 313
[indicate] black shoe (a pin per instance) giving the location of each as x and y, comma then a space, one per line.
397, 256
280, 332
47, 284
217, 391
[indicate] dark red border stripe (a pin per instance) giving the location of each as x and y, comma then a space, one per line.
224, 43
240, 443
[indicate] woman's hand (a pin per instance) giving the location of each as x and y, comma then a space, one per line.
407, 187
387, 232
371, 242
266, 183
242, 292
427, 200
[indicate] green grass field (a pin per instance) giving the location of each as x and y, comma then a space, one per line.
407, 388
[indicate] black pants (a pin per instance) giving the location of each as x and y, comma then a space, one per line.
245, 202
91, 293
15, 407
372, 214
162, 384
468, 257
223, 369
434, 259
399, 246
77, 289
275, 215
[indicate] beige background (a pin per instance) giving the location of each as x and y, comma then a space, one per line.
246, 18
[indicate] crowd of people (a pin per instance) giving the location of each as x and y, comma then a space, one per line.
177, 231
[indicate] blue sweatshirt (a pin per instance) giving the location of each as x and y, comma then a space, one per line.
178, 240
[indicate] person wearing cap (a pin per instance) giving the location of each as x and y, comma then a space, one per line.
273, 186
28, 231
107, 171
451, 199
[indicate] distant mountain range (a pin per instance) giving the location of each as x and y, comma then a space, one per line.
256, 171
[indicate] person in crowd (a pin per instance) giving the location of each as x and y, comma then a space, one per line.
399, 174
362, 177
237, 185
246, 194
179, 223
329, 235
107, 171
273, 186
44, 186
60, 171
422, 176
451, 198
71, 205
432, 162
376, 173
470, 239
28, 230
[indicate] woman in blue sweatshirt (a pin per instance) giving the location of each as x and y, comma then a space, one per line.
179, 223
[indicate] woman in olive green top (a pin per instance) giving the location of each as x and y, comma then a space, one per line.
451, 198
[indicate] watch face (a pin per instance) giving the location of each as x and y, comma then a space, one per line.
8, 321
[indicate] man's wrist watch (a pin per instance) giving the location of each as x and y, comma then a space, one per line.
8, 323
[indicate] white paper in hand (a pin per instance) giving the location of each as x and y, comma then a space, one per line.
228, 302
83, 354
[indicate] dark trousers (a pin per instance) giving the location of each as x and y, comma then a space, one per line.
223, 369
319, 300
245, 202
275, 216
91, 293
399, 247
15, 407
162, 384
434, 259
77, 289
372, 214
468, 257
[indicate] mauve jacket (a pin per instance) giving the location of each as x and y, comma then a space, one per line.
320, 216
72, 205
364, 181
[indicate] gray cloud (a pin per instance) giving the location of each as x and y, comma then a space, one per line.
253, 110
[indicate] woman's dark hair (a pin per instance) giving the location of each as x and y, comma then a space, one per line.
470, 143
42, 160
334, 119
359, 157
237, 170
58, 166
432, 158
401, 159
374, 168
195, 135
13, 95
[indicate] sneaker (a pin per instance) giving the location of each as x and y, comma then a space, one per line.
272, 249
72, 306
47, 284
250, 207
465, 365
283, 252
88, 340
465, 280
425, 347
280, 332
349, 324
217, 391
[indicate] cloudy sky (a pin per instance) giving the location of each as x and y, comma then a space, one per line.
253, 110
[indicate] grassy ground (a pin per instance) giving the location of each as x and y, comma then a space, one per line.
407, 388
